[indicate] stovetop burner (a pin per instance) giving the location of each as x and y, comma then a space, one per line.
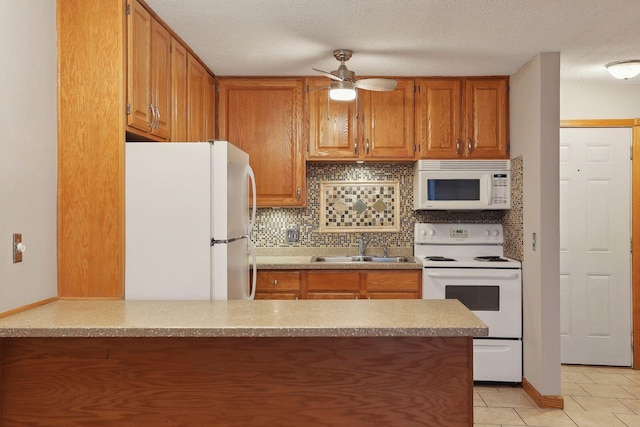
438, 258
492, 258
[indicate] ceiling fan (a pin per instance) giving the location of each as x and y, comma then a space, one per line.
345, 85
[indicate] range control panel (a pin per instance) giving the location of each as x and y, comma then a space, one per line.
458, 233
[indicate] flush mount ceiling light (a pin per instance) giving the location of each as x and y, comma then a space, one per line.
342, 91
625, 69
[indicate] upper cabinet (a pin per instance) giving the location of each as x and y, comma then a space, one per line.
462, 118
169, 92
387, 120
149, 70
196, 105
178, 91
264, 118
377, 126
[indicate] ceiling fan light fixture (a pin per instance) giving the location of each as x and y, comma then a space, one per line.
624, 69
342, 91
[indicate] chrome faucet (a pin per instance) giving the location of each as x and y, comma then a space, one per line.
362, 245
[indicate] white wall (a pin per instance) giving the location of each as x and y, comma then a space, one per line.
600, 101
535, 127
28, 150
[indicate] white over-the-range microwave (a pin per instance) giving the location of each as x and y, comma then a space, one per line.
462, 185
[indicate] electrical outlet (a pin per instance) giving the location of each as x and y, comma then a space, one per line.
293, 235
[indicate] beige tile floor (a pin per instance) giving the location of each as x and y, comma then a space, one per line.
593, 396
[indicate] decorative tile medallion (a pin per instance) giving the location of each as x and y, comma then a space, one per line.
359, 206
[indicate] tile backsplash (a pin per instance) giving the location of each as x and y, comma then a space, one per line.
271, 223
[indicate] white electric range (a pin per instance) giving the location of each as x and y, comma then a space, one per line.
466, 262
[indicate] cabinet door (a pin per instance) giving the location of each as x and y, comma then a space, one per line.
139, 113
332, 124
263, 117
277, 284
387, 120
486, 115
161, 79
210, 108
178, 92
331, 284
196, 82
438, 118
406, 284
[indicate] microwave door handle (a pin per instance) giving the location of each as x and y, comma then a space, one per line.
489, 190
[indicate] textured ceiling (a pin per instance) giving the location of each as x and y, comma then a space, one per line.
407, 37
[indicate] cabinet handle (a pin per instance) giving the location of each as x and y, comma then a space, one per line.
469, 146
153, 116
299, 193
355, 146
275, 282
367, 147
157, 118
458, 143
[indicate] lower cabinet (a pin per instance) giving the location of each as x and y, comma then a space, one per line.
338, 284
331, 284
278, 284
388, 284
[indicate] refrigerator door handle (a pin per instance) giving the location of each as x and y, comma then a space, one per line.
252, 178
252, 251
225, 241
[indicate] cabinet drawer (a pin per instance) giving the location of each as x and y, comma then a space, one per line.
277, 295
333, 281
333, 295
277, 280
393, 281
393, 295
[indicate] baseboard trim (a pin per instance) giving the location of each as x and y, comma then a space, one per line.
542, 401
27, 307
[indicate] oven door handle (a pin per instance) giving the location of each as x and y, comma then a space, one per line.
476, 274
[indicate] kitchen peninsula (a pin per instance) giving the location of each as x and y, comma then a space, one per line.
202, 363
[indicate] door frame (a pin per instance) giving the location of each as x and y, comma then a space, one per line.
634, 124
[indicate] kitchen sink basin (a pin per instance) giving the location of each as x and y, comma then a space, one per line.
357, 259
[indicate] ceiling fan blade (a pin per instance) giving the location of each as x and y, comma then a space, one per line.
331, 76
379, 85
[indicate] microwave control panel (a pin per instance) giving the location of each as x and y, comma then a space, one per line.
500, 189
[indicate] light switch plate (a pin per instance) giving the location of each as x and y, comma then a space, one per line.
17, 255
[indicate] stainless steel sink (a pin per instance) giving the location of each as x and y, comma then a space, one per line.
357, 259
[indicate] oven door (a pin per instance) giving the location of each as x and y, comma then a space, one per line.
494, 295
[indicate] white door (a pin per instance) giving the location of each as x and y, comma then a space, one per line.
595, 258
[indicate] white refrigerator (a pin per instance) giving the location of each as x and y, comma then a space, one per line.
187, 221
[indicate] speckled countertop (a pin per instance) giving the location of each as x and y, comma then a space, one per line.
300, 259
303, 318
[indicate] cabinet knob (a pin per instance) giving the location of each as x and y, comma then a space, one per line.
469, 146
458, 143
355, 146
275, 282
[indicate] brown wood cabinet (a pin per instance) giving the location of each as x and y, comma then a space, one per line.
91, 140
388, 284
338, 284
149, 70
178, 91
462, 118
278, 284
196, 100
378, 126
332, 284
264, 118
